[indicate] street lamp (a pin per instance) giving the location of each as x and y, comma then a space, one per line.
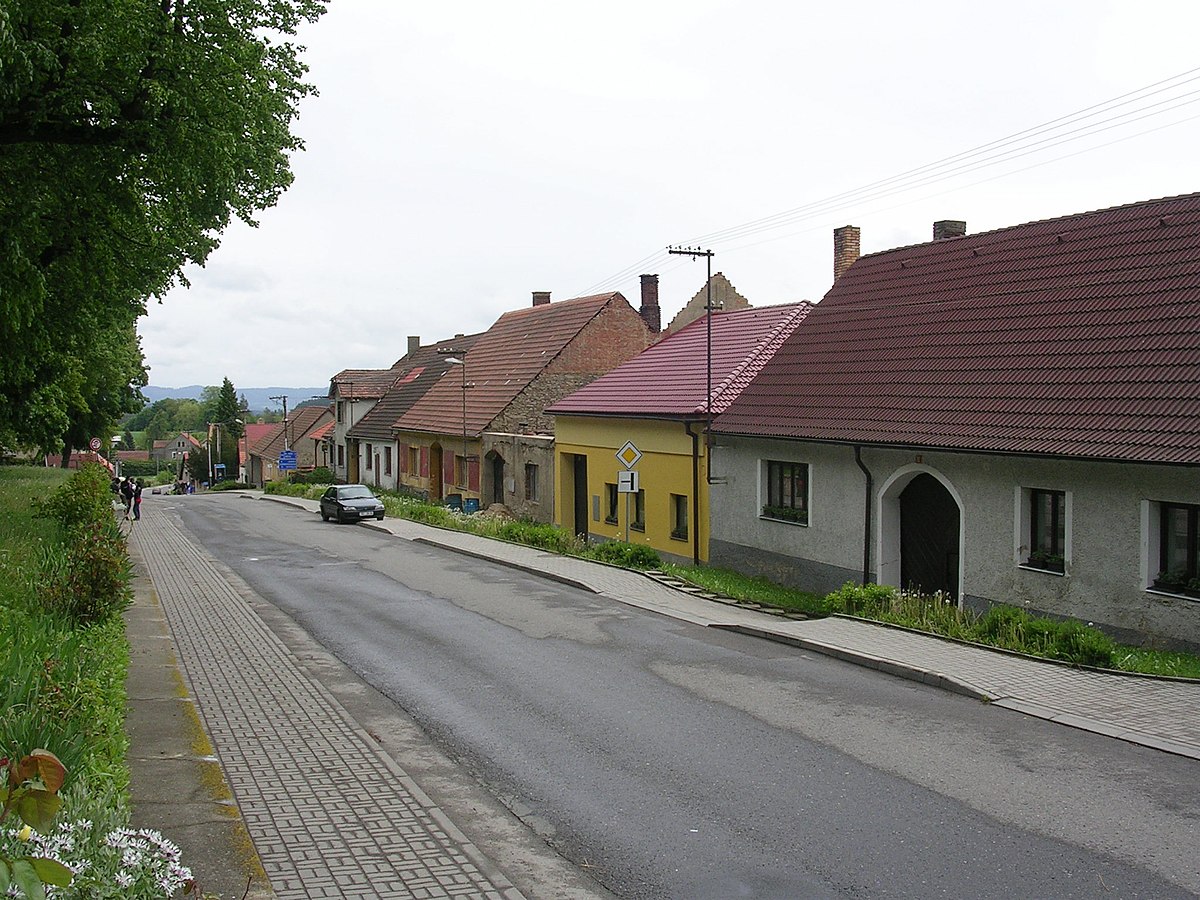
461, 360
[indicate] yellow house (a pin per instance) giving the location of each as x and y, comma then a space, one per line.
631, 455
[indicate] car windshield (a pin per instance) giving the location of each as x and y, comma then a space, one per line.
355, 492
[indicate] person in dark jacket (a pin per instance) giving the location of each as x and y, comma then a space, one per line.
137, 500
127, 494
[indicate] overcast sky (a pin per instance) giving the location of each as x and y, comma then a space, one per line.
463, 155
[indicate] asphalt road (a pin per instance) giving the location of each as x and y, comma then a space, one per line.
672, 761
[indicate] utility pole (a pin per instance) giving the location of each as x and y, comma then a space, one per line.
283, 397
694, 252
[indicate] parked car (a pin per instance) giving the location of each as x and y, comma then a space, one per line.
349, 503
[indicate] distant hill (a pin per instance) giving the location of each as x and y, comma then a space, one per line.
258, 399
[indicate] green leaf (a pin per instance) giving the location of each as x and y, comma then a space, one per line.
51, 871
27, 879
5, 876
38, 808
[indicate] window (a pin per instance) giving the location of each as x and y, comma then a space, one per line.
531, 482
369, 452
460, 471
1047, 529
1178, 548
612, 497
387, 460
639, 512
786, 492
340, 407
679, 517
341, 456
414, 460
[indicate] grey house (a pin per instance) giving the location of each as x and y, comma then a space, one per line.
1010, 417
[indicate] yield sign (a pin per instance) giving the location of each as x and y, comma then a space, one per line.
629, 455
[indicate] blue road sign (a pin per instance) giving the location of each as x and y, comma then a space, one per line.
287, 459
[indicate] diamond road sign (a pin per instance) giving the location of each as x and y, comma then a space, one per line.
629, 455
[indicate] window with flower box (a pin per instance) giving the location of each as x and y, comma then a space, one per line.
785, 491
1047, 530
1179, 549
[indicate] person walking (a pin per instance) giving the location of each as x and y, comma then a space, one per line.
127, 494
137, 500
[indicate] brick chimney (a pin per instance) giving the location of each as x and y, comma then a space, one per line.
650, 312
846, 248
541, 298
948, 228
414, 343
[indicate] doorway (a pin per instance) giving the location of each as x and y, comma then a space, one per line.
929, 537
497, 476
580, 496
435, 473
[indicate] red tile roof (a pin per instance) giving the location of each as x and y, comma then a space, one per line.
671, 377
1075, 337
421, 370
501, 364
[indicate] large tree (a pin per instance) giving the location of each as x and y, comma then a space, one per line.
131, 132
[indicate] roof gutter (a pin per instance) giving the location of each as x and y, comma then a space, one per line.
870, 489
687, 426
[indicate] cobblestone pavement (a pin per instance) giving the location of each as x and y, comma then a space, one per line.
329, 814
1159, 713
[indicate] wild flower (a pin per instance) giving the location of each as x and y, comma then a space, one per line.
124, 863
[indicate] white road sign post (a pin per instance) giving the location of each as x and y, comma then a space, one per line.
627, 481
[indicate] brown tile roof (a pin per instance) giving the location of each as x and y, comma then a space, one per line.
300, 423
501, 364
1075, 337
420, 371
363, 384
671, 377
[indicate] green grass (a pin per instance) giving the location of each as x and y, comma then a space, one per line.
62, 687
750, 589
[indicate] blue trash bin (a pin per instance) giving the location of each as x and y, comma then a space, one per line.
471, 505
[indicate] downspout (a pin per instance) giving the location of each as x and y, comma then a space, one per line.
687, 426
866, 574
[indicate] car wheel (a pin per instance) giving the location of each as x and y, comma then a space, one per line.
324, 516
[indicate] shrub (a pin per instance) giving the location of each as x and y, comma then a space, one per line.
229, 485
632, 556
859, 599
539, 534
85, 498
1068, 640
92, 583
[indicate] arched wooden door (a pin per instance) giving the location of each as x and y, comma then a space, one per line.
929, 533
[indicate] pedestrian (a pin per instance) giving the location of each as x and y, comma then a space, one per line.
127, 494
137, 500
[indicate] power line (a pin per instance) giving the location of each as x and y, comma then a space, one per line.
1029, 141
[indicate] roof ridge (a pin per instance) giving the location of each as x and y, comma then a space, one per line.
1034, 222
755, 359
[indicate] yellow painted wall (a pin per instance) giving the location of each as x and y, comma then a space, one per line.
664, 469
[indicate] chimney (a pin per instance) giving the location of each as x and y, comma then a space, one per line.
414, 343
846, 243
650, 312
541, 298
948, 228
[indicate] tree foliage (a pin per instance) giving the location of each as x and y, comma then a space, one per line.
131, 132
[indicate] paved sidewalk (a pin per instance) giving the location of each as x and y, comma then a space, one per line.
1159, 713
